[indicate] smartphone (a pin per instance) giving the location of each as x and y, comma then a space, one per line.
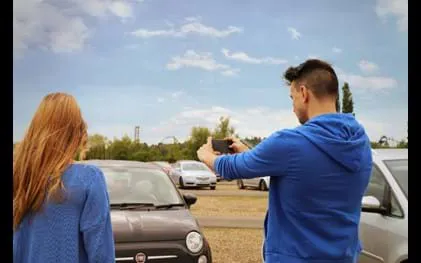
222, 146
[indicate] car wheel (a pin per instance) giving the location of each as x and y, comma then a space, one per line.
240, 184
181, 183
262, 185
213, 187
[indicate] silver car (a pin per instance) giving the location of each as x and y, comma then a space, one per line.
384, 217
261, 183
194, 174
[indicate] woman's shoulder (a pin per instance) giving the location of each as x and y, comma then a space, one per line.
84, 173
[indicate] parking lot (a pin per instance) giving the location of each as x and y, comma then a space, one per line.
232, 219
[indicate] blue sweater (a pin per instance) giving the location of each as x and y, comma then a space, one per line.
318, 172
77, 230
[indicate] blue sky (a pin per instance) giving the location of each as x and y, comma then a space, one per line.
168, 65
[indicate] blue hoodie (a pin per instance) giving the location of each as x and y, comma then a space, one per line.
318, 175
77, 230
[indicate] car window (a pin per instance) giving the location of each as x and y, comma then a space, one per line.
140, 185
376, 188
396, 210
377, 184
399, 170
194, 167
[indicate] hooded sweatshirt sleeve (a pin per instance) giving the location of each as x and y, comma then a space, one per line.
95, 224
268, 158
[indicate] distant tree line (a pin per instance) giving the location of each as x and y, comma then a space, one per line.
100, 147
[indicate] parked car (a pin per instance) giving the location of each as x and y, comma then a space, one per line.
218, 177
194, 174
261, 183
384, 217
167, 168
151, 220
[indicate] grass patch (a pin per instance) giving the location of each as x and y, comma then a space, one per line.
230, 187
230, 206
235, 245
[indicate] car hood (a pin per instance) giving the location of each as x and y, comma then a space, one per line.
199, 173
153, 225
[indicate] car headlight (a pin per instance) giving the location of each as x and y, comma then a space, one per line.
194, 242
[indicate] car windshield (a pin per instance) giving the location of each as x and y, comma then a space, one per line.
399, 170
140, 185
194, 167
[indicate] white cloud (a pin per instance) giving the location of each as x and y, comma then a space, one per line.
59, 26
243, 57
192, 27
368, 82
312, 56
160, 100
336, 50
177, 94
230, 72
202, 60
294, 33
368, 67
396, 8
262, 121
391, 124
121, 9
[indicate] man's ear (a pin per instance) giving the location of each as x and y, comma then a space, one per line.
304, 93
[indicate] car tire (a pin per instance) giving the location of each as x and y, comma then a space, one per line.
240, 184
181, 183
213, 187
263, 186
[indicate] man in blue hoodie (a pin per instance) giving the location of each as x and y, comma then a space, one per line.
318, 172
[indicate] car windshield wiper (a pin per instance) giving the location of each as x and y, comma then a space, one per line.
168, 206
126, 206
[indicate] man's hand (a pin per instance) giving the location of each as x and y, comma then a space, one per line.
237, 145
206, 153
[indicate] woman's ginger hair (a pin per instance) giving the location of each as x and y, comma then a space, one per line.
56, 135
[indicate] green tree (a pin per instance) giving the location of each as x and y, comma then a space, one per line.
338, 104
97, 145
223, 129
347, 101
120, 149
198, 137
253, 141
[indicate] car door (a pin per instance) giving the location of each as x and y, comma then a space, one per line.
380, 233
252, 182
176, 172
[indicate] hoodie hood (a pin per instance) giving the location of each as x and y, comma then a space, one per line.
339, 136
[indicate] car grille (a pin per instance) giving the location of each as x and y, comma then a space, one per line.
156, 252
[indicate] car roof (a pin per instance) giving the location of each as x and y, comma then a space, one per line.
391, 154
188, 161
121, 163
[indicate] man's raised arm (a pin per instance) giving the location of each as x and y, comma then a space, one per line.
268, 158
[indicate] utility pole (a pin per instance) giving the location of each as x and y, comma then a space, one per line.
136, 133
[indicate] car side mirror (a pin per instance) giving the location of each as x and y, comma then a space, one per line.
190, 199
371, 204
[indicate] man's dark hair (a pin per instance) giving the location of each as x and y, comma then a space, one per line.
316, 75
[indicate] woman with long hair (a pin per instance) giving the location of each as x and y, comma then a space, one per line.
61, 209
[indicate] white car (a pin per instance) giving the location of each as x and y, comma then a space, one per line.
194, 174
384, 217
261, 183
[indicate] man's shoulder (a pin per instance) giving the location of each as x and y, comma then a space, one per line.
291, 133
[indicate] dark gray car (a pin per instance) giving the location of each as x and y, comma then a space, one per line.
151, 219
